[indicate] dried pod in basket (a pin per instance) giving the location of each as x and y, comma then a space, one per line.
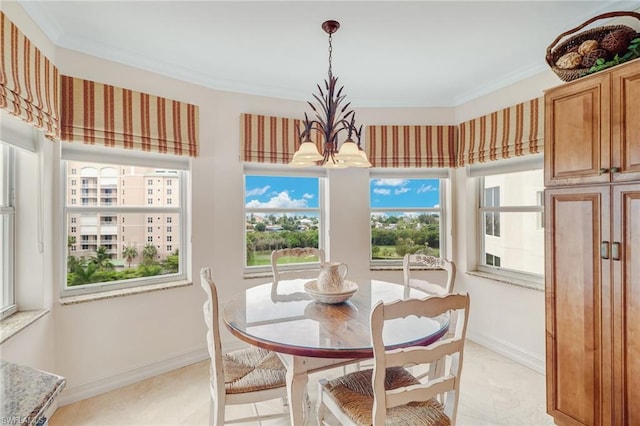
617, 41
569, 61
590, 58
587, 46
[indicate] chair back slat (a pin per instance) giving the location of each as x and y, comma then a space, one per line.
425, 392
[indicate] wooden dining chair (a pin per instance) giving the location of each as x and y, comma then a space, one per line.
389, 393
291, 272
414, 262
245, 376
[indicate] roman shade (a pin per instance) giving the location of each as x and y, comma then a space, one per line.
510, 132
411, 146
29, 82
96, 113
266, 139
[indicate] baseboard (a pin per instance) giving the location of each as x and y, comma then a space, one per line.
133, 375
512, 352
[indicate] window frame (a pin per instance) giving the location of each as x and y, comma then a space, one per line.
501, 167
444, 177
283, 171
7, 209
119, 157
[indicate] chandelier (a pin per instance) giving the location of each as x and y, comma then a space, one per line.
331, 118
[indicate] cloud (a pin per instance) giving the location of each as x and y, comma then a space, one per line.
257, 191
427, 188
401, 190
308, 196
381, 191
280, 200
391, 182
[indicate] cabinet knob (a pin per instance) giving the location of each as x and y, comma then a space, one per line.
615, 169
604, 250
603, 171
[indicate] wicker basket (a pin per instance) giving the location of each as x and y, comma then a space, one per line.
555, 50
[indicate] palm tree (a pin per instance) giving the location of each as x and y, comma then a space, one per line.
102, 259
149, 253
130, 253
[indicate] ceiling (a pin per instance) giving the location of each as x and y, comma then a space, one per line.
386, 53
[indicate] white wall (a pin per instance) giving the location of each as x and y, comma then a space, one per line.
104, 344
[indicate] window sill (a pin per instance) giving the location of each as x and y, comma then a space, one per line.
13, 324
531, 285
72, 300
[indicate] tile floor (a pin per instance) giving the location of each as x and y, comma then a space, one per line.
494, 391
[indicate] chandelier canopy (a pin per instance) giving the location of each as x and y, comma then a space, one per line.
331, 118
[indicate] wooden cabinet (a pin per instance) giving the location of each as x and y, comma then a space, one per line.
592, 249
592, 130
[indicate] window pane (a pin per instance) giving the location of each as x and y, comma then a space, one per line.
395, 234
520, 246
405, 217
404, 193
106, 247
272, 231
103, 185
280, 212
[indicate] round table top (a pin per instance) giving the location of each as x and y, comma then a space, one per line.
288, 320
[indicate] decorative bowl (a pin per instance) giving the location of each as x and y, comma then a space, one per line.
348, 289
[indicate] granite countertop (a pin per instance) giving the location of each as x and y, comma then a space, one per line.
26, 393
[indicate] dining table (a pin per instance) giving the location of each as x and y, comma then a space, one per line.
311, 336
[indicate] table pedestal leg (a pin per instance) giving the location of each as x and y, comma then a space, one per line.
296, 388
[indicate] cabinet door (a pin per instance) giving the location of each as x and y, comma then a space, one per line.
577, 287
626, 291
625, 126
577, 133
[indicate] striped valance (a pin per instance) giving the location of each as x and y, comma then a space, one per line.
411, 146
265, 139
96, 113
511, 132
29, 82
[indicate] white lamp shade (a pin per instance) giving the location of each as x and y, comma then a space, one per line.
352, 156
308, 151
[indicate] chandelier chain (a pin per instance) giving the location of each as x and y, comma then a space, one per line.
330, 52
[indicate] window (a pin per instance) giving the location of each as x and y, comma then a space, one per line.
7, 215
406, 215
169, 191
149, 191
169, 229
113, 256
168, 219
280, 212
511, 233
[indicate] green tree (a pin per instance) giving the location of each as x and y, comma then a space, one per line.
172, 263
149, 253
261, 227
102, 259
130, 252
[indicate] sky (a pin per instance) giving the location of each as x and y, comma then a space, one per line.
302, 192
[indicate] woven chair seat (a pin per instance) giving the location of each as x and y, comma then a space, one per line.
252, 369
354, 394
